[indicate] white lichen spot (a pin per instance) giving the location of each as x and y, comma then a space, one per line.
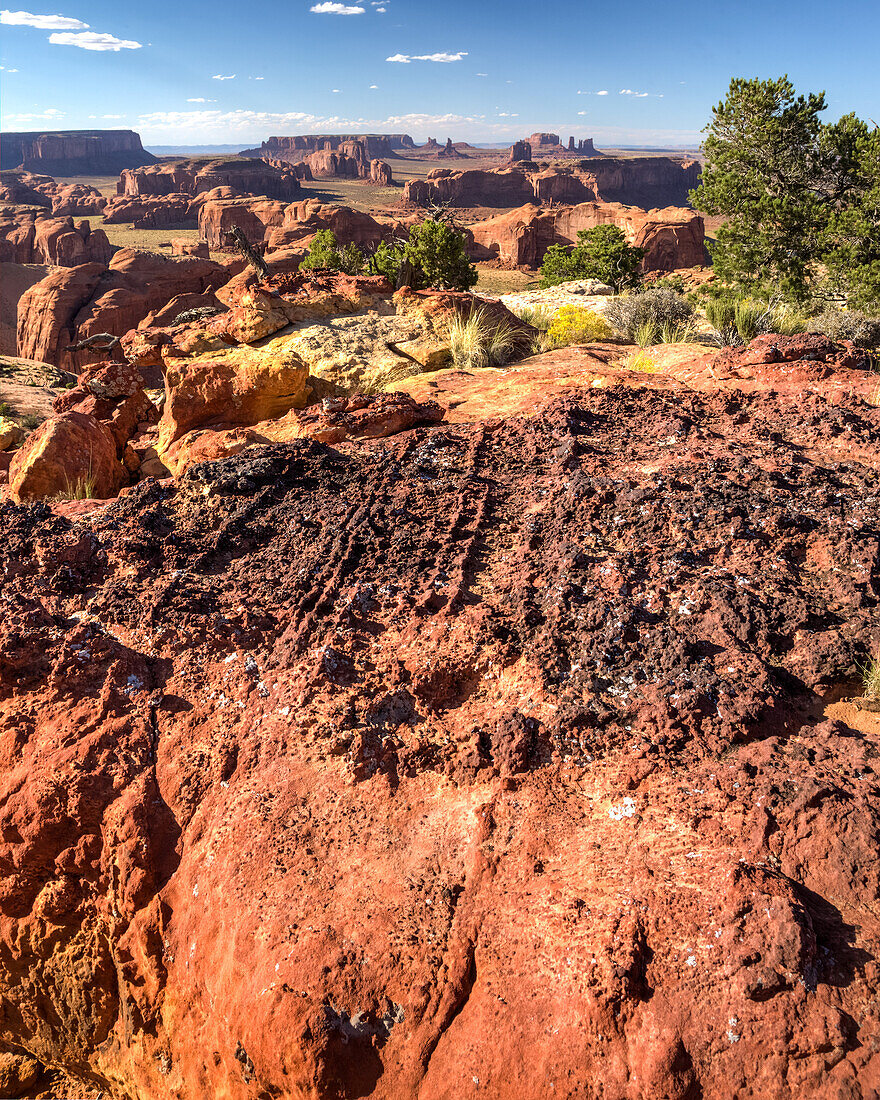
627, 808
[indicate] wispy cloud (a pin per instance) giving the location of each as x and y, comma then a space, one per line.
443, 58
219, 77
3, 69
604, 91
641, 95
201, 99
329, 8
91, 40
41, 22
51, 114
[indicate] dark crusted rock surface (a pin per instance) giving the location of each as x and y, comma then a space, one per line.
497, 759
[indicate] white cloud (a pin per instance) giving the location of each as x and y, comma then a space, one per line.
506, 114
373, 87
640, 95
603, 92
257, 78
443, 58
42, 22
51, 114
91, 40
218, 77
116, 117
337, 91
329, 8
583, 112
380, 10
482, 74
201, 99
3, 69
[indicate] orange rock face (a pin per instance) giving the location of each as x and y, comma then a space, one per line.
72, 453
501, 758
672, 238
72, 305
29, 237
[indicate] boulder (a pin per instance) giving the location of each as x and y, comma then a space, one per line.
18, 1073
71, 454
10, 433
183, 246
236, 387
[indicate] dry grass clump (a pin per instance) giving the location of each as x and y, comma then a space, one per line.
80, 488
737, 321
479, 341
871, 677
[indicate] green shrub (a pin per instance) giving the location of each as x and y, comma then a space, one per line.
30, 421
437, 252
634, 313
325, 253
600, 253
848, 324
576, 325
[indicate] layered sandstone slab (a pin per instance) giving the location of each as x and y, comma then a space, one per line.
31, 236
641, 181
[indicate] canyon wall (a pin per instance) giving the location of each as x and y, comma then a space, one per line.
193, 177
295, 148
74, 152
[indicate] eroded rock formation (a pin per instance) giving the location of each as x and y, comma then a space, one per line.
194, 177
672, 238
74, 152
31, 236
500, 758
72, 304
641, 181
297, 148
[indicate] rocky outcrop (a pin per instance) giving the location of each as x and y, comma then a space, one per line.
158, 212
194, 177
253, 216
492, 757
69, 306
302, 220
672, 238
74, 152
15, 279
63, 199
31, 237
380, 173
520, 150
641, 181
297, 148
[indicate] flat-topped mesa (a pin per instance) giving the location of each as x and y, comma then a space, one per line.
639, 181
74, 152
297, 147
194, 177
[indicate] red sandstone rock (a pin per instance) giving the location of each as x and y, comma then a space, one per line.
74, 152
253, 216
380, 173
29, 237
292, 150
477, 761
153, 212
70, 306
672, 238
183, 246
68, 454
192, 177
646, 181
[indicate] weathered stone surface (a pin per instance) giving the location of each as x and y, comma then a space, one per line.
672, 238
193, 177
502, 741
333, 420
643, 181
239, 386
153, 212
254, 216
18, 1073
380, 173
47, 312
10, 433
69, 454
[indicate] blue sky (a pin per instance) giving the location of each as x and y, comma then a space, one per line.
479, 70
